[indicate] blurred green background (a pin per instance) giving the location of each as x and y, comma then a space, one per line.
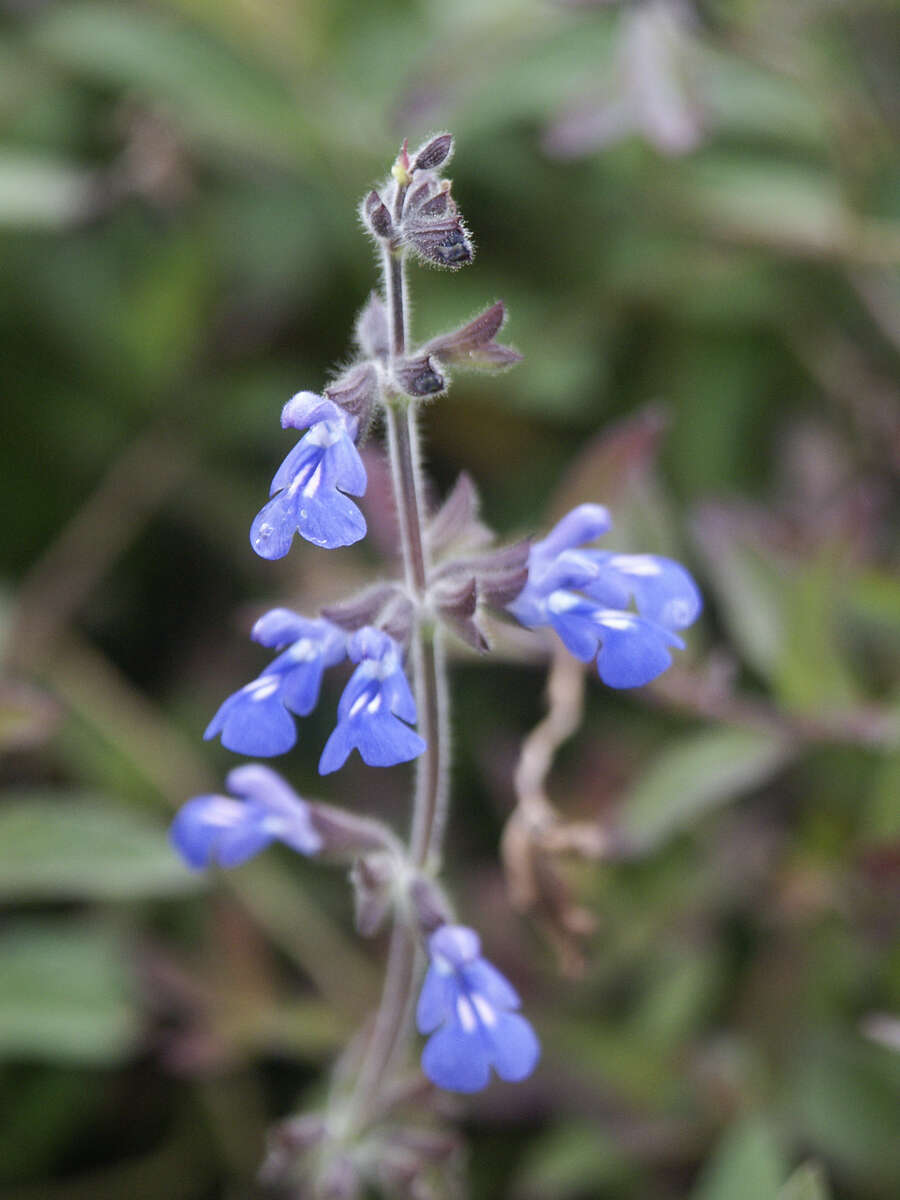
693, 214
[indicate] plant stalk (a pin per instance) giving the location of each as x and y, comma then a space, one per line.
404, 964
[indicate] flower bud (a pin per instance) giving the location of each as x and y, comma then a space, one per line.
377, 217
419, 377
372, 333
372, 878
443, 242
456, 522
384, 605
473, 345
434, 153
429, 904
356, 392
346, 834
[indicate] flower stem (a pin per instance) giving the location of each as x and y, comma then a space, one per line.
404, 964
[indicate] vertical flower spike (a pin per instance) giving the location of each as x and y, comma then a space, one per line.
257, 719
219, 829
377, 707
468, 1008
584, 595
308, 491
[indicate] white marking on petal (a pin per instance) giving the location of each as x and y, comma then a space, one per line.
466, 1014
615, 620
635, 564
262, 689
561, 601
325, 433
223, 813
485, 1010
312, 486
304, 651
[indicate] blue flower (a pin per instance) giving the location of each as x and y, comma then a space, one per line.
220, 829
257, 719
467, 1007
376, 708
584, 595
308, 489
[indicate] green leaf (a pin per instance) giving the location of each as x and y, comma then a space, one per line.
846, 1096
38, 192
746, 1165
80, 847
769, 202
570, 1160
696, 775
206, 88
812, 674
66, 993
807, 1183
750, 586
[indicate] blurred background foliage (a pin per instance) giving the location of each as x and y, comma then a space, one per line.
693, 214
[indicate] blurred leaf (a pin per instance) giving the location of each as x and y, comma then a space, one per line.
775, 203
28, 716
807, 1183
874, 597
746, 99
745, 1165
812, 674
80, 847
38, 192
571, 1160
680, 994
750, 587
52, 1105
881, 819
204, 87
66, 993
162, 319
695, 775
845, 1101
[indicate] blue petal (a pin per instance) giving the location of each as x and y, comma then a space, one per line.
529, 607
263, 786
307, 408
198, 825
328, 519
306, 455
275, 807
302, 686
575, 625
249, 725
369, 642
337, 748
399, 697
235, 846
633, 651
483, 978
583, 524
347, 467
272, 530
515, 1049
457, 944
383, 740
663, 590
435, 1000
457, 1060
280, 627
